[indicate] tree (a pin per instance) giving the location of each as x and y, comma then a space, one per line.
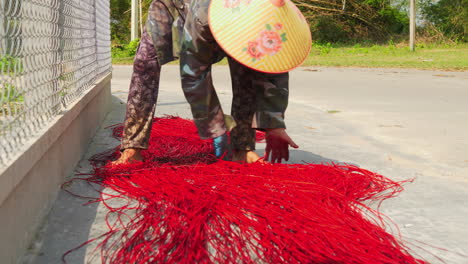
330, 20
120, 21
345, 20
448, 16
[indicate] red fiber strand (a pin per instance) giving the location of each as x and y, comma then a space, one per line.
183, 206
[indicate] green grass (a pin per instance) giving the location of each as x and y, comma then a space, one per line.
10, 65
9, 93
427, 56
435, 57
122, 61
10, 99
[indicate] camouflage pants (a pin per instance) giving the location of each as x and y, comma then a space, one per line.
159, 44
259, 99
142, 96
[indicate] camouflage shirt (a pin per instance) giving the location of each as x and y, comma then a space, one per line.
165, 25
259, 99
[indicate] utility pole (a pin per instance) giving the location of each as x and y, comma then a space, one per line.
412, 24
134, 21
141, 17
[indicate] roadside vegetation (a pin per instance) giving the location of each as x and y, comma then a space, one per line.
10, 97
10, 65
452, 57
11, 100
357, 33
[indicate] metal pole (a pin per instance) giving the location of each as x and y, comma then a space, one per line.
141, 16
134, 21
412, 24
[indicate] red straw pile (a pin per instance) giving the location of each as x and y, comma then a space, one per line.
184, 206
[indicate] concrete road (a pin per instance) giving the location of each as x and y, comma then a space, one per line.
400, 123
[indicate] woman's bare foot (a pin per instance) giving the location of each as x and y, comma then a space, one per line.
245, 156
129, 155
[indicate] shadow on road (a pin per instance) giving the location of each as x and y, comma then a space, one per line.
303, 157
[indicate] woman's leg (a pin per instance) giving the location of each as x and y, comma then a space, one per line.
141, 104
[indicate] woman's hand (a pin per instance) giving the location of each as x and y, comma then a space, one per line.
277, 145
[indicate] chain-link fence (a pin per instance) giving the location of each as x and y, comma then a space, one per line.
51, 51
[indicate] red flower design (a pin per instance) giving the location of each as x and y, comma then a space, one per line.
269, 42
231, 3
278, 26
253, 50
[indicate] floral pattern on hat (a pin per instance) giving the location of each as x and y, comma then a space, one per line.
268, 43
235, 4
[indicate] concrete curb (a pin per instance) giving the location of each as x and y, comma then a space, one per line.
29, 185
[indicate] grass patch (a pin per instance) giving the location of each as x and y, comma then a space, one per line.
452, 57
434, 57
9, 93
11, 101
124, 54
123, 61
10, 65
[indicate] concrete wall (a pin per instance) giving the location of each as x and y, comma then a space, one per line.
29, 185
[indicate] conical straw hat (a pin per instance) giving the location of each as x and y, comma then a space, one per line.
266, 35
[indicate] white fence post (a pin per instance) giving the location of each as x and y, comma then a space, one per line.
412, 39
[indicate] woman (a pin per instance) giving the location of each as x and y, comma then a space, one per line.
259, 99
159, 45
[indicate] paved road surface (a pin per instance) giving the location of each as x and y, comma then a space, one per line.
400, 123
